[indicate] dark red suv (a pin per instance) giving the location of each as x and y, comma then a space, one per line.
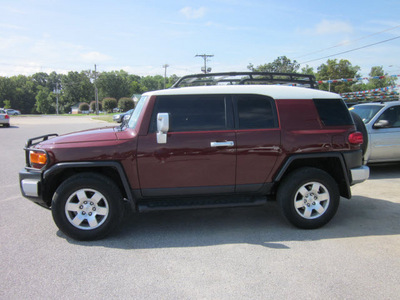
212, 145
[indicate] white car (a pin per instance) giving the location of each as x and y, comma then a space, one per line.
382, 121
13, 112
4, 118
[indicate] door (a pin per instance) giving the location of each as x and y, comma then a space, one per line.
199, 156
258, 141
385, 140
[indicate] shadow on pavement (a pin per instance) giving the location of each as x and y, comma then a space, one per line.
264, 226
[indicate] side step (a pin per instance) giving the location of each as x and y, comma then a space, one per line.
199, 202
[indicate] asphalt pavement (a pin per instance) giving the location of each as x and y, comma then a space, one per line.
241, 253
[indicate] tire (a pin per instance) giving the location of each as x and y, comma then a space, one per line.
360, 126
87, 206
308, 198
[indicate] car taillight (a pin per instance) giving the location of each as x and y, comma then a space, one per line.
37, 159
356, 138
7, 116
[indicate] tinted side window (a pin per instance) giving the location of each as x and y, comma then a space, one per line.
392, 115
192, 112
333, 112
255, 112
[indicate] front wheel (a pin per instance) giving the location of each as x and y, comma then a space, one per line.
308, 197
87, 206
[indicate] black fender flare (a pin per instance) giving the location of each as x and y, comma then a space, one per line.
344, 187
57, 168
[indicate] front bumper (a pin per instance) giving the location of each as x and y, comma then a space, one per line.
31, 186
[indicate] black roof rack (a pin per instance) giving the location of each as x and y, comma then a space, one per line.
237, 78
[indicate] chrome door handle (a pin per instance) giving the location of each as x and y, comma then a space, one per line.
222, 144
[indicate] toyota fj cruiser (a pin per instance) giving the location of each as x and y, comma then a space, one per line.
213, 140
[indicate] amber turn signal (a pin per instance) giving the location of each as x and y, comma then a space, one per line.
37, 159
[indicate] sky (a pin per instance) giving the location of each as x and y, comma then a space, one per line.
141, 37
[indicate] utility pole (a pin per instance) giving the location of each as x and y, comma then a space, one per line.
96, 95
57, 92
205, 56
165, 72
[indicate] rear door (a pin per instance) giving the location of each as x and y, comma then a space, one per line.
199, 156
258, 141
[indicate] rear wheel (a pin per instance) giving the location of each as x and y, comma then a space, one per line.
87, 206
308, 197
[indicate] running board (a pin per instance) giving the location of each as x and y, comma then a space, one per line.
199, 202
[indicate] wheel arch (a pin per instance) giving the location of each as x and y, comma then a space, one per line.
58, 173
332, 163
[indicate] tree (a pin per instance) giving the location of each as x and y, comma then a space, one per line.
152, 83
126, 104
109, 104
84, 107
7, 104
114, 84
307, 70
93, 106
337, 70
280, 65
76, 87
378, 71
24, 91
136, 88
44, 100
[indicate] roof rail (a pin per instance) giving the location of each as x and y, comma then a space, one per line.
237, 78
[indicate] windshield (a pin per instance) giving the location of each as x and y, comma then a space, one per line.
366, 112
136, 113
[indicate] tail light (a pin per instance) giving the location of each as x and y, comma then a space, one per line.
7, 116
356, 138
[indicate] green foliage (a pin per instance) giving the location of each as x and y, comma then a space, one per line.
337, 70
76, 87
307, 70
93, 106
109, 104
44, 101
280, 65
7, 104
114, 84
126, 104
35, 94
84, 107
153, 83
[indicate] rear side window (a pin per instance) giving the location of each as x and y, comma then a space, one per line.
333, 112
255, 112
192, 112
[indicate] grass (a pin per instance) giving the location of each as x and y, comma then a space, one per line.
107, 118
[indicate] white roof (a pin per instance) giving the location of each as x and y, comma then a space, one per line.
274, 91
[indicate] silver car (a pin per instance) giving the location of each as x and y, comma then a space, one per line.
4, 118
122, 116
382, 121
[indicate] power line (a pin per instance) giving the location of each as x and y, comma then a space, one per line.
349, 42
366, 46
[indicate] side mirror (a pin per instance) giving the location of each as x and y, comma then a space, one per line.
382, 124
162, 127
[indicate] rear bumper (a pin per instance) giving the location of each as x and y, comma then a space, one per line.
359, 174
